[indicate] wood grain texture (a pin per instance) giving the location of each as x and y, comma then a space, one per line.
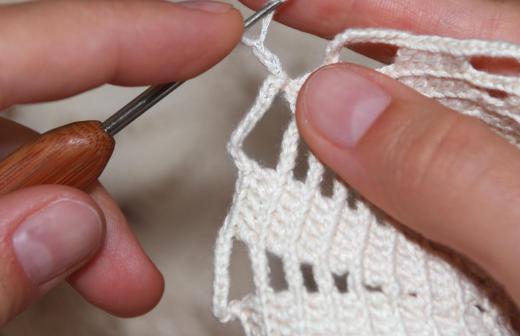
73, 155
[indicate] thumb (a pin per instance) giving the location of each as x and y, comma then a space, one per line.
443, 174
46, 233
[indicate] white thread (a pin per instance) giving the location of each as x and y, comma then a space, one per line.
397, 283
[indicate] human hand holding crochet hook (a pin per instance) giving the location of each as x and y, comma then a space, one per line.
52, 50
444, 175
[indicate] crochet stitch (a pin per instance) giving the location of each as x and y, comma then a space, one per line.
372, 276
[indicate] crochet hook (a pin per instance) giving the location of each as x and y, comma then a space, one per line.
76, 154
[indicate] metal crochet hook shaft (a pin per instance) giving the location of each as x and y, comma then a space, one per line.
154, 94
76, 154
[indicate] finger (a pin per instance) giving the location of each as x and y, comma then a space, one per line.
121, 279
488, 19
46, 233
55, 49
121, 266
445, 175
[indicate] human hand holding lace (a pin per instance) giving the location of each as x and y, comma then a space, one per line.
445, 175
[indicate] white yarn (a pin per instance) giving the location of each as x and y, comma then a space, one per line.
397, 282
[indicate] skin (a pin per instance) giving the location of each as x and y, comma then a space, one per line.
138, 42
457, 181
124, 43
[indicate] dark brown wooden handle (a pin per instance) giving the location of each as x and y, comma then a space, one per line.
73, 155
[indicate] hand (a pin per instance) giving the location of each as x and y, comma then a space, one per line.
55, 49
445, 175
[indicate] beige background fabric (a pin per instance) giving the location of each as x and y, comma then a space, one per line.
171, 175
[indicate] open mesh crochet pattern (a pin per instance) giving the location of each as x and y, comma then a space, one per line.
372, 276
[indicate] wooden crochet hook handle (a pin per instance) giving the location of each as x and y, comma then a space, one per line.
76, 154
73, 155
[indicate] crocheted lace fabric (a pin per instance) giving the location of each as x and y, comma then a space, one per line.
369, 275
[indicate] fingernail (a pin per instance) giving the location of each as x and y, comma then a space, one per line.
56, 238
214, 7
342, 105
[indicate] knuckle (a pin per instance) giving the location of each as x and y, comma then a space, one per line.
431, 151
